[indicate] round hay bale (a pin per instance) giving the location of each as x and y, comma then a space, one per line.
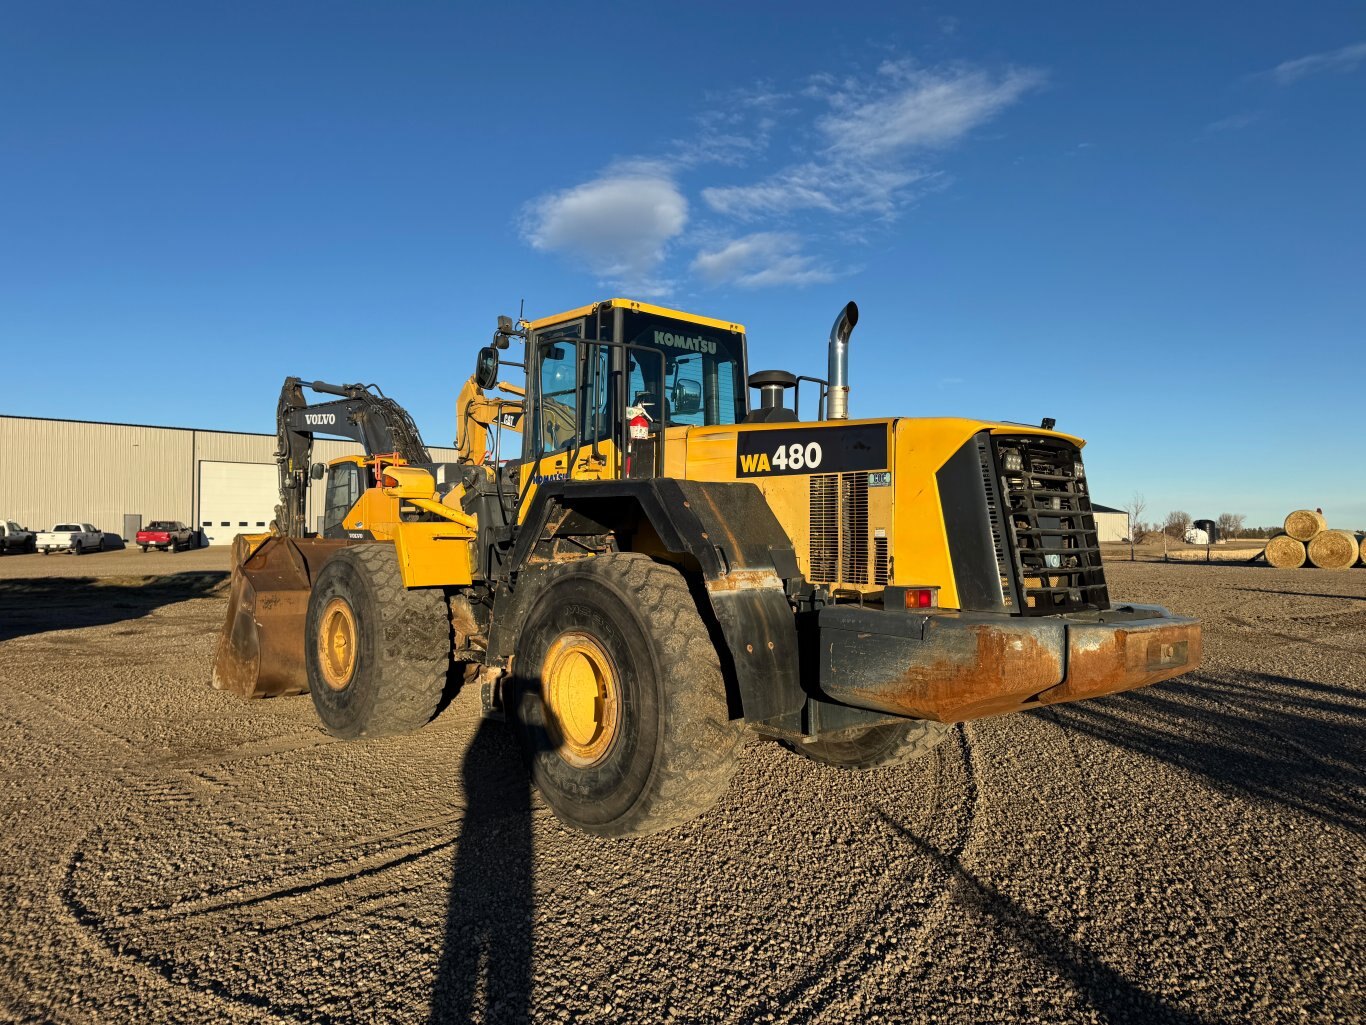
1284, 552
1303, 524
1363, 548
1333, 549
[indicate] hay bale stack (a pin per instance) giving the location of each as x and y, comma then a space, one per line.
1285, 552
1303, 524
1333, 549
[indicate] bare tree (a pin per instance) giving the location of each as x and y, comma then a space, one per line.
1137, 504
1230, 524
1178, 522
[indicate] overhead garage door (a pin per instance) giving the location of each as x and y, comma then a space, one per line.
236, 498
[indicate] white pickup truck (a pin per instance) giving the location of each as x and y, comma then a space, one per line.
14, 538
70, 537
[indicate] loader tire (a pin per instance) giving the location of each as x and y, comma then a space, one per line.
878, 746
619, 698
376, 652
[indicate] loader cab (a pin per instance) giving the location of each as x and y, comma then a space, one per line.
609, 379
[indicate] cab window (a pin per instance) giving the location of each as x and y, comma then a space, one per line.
343, 491
703, 370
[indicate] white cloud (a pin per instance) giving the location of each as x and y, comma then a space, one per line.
832, 187
1343, 59
761, 260
874, 132
865, 143
618, 225
924, 109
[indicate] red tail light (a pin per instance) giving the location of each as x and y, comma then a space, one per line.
922, 597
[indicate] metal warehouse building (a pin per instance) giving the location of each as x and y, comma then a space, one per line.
1111, 524
118, 475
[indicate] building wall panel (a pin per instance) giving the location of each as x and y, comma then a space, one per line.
98, 472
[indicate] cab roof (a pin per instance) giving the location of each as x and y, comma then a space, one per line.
633, 304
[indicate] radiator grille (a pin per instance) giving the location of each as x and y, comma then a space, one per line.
840, 542
825, 528
994, 519
1051, 526
882, 570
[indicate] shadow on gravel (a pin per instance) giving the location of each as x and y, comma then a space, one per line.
34, 605
1115, 997
1276, 738
1301, 594
486, 957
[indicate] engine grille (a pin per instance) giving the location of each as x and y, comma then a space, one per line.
839, 533
1050, 525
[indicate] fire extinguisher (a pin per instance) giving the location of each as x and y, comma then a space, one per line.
637, 432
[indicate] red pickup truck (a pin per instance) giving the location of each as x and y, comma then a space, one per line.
164, 534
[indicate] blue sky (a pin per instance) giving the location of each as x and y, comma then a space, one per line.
1146, 222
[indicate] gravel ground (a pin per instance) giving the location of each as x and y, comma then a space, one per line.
1186, 853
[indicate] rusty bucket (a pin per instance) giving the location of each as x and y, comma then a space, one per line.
261, 648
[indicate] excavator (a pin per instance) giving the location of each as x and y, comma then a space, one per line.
663, 568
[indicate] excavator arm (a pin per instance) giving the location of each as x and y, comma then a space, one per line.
360, 412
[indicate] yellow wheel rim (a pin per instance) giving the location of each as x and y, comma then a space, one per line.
583, 697
337, 643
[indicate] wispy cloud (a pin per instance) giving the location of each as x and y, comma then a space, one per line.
866, 145
618, 225
914, 108
1234, 122
873, 135
833, 187
761, 260
1343, 59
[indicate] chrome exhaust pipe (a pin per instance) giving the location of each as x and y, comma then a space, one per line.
837, 391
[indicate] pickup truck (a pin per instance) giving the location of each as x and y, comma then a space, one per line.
14, 538
77, 538
164, 534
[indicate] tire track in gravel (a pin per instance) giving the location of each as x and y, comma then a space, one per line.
357, 879
854, 952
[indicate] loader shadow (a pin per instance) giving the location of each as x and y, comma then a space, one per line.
484, 972
1293, 742
34, 605
1114, 996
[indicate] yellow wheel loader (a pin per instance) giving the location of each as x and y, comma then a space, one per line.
663, 567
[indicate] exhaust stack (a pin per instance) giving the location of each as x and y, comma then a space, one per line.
837, 403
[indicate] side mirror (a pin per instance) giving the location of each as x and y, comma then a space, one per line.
685, 397
318, 471
486, 367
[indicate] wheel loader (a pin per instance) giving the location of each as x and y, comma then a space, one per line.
639, 567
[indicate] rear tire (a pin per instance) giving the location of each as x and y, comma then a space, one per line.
144, 549
376, 652
78, 548
878, 746
655, 747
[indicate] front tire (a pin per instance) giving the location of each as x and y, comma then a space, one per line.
878, 746
620, 700
376, 652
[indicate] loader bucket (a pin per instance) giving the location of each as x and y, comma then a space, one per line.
261, 648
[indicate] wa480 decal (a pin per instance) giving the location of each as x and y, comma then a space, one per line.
810, 450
